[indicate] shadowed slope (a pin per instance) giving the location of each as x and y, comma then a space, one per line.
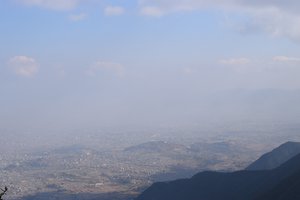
276, 157
246, 185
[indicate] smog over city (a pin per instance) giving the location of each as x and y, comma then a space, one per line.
137, 100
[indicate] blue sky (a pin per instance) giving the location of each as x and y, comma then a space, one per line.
106, 59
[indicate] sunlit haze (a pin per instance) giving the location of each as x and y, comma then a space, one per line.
101, 99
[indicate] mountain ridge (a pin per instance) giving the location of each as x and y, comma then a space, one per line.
245, 184
276, 157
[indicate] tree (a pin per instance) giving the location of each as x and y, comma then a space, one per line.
3, 192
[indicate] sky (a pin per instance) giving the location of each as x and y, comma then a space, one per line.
86, 63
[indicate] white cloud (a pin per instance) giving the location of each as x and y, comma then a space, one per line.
235, 61
168, 6
286, 59
52, 4
114, 10
78, 17
291, 6
23, 65
152, 11
274, 65
278, 18
274, 21
112, 67
188, 70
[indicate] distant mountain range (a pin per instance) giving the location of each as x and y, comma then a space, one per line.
167, 148
275, 176
155, 147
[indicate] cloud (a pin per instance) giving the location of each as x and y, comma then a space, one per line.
277, 18
286, 59
152, 11
291, 6
235, 61
276, 65
274, 21
105, 66
114, 10
52, 4
78, 17
23, 65
188, 70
